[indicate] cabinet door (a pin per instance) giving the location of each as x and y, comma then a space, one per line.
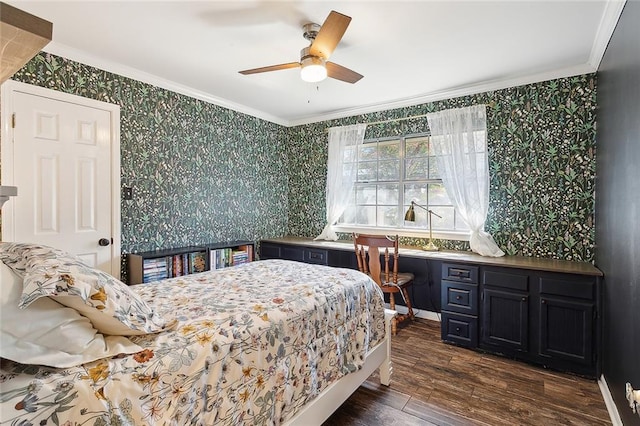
566, 329
505, 319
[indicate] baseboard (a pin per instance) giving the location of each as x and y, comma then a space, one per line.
608, 401
420, 313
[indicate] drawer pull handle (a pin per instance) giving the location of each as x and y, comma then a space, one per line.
458, 297
524, 299
457, 328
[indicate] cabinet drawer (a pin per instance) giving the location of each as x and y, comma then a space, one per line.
460, 329
574, 288
316, 256
462, 273
269, 251
509, 280
459, 297
292, 253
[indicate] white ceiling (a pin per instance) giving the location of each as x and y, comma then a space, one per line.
409, 52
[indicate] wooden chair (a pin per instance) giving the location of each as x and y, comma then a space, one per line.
387, 276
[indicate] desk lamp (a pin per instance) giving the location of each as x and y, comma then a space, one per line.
410, 216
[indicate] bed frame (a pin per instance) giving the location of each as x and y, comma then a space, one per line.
328, 401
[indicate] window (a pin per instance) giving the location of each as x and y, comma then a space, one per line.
390, 174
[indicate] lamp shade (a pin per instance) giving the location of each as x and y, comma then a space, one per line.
313, 69
410, 215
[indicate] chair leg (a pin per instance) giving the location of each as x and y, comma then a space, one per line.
409, 307
394, 321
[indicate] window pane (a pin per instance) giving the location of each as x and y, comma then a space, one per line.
415, 192
366, 215
387, 216
434, 173
388, 194
438, 195
347, 170
349, 154
417, 147
365, 194
367, 171
349, 215
421, 219
389, 150
389, 170
416, 168
446, 222
480, 141
368, 151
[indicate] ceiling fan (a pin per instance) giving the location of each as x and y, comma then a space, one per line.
314, 58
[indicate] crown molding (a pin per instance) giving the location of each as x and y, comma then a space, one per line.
450, 94
78, 56
610, 17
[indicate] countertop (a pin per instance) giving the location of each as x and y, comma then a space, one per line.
535, 263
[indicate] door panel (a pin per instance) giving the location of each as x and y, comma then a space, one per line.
62, 162
566, 329
505, 319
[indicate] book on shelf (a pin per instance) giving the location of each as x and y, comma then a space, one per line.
197, 261
230, 256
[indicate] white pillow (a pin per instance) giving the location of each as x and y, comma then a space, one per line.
47, 333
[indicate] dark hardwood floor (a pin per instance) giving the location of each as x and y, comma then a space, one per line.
434, 383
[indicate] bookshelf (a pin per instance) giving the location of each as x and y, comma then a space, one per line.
149, 266
230, 254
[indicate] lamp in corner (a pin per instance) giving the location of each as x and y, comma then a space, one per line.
410, 216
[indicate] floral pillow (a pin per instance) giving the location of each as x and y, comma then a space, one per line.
47, 333
12, 255
109, 303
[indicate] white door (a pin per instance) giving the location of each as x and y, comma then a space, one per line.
62, 163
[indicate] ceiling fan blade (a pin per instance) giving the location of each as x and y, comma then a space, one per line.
341, 73
330, 34
271, 68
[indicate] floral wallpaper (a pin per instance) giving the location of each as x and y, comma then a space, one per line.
541, 140
202, 173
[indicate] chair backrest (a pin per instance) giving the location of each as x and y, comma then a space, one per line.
368, 253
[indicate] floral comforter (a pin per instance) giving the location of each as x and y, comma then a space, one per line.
253, 344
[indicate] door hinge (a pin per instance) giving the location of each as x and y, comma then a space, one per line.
13, 120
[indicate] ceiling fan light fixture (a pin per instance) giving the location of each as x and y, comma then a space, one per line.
313, 69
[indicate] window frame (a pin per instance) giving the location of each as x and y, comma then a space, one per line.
417, 232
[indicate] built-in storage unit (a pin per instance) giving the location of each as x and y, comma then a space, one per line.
542, 311
149, 266
459, 304
547, 318
318, 255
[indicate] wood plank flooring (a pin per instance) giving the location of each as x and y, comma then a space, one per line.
434, 383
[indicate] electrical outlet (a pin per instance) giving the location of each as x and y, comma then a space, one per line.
127, 193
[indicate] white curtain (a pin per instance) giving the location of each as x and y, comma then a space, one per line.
341, 175
458, 139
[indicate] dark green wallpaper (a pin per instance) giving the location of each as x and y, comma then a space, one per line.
541, 140
202, 173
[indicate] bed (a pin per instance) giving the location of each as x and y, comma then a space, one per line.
268, 342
